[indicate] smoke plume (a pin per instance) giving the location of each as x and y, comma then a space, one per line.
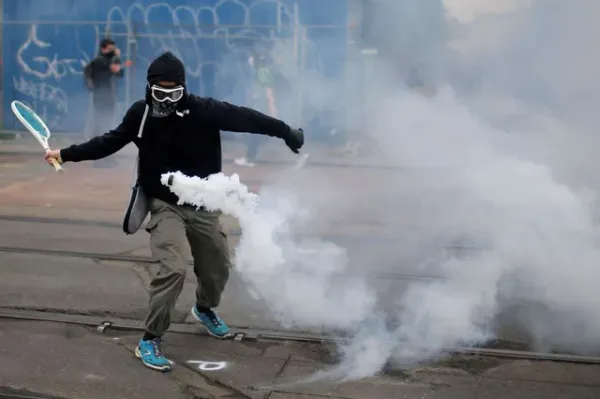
487, 123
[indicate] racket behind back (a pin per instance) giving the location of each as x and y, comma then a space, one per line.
35, 125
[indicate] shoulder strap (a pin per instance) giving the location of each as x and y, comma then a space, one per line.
143, 122
139, 135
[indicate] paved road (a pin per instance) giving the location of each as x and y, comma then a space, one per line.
356, 218
73, 362
99, 195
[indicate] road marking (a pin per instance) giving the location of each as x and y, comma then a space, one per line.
208, 366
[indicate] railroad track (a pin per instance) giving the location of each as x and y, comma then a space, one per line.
147, 260
106, 323
109, 322
234, 233
63, 221
345, 239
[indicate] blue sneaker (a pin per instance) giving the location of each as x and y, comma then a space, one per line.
151, 355
213, 323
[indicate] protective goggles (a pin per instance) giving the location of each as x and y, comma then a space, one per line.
162, 94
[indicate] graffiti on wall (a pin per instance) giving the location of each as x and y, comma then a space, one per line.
42, 67
212, 41
43, 60
45, 66
49, 101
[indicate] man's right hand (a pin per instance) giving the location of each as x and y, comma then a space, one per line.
53, 155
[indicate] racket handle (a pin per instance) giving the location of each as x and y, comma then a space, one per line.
56, 165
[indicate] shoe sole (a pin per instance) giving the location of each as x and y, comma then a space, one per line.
241, 163
151, 366
226, 336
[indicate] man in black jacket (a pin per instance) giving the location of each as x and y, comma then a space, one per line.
180, 132
100, 76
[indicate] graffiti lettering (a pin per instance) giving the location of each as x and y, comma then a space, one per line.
212, 38
44, 67
49, 101
43, 92
208, 366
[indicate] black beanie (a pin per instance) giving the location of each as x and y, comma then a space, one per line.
166, 67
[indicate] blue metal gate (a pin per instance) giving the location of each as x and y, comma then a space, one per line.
46, 44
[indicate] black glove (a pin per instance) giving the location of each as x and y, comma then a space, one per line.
295, 139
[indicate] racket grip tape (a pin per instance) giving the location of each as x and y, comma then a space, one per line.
56, 165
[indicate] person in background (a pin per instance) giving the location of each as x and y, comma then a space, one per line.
262, 98
100, 76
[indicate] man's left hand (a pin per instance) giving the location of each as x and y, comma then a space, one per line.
114, 68
295, 140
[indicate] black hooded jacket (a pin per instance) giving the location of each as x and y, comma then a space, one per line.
188, 140
101, 75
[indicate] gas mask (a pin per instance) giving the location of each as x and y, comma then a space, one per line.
165, 100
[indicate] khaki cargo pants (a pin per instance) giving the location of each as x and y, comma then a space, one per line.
169, 227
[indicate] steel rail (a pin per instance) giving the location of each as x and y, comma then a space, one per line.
104, 323
234, 233
66, 221
147, 260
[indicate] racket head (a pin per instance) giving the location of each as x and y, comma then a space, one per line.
31, 121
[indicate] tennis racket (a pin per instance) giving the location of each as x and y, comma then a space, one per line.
35, 125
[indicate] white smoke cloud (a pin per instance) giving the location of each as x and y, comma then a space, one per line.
278, 268
469, 10
515, 180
